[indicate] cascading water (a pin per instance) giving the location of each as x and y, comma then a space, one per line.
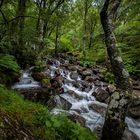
26, 81
82, 103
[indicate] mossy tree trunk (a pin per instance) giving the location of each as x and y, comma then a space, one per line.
114, 125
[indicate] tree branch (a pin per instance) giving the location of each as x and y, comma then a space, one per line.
5, 19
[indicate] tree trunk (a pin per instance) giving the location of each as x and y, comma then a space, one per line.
22, 9
85, 27
56, 39
114, 125
91, 35
1, 3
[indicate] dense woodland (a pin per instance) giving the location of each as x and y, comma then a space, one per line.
97, 35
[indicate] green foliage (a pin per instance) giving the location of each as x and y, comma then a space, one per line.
35, 121
109, 77
9, 69
7, 62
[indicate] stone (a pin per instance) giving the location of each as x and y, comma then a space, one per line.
72, 67
98, 108
129, 135
77, 119
101, 95
87, 72
134, 112
74, 75
65, 103
100, 83
111, 88
91, 78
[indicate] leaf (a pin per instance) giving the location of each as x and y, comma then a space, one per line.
48, 123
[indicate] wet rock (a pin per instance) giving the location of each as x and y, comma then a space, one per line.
136, 83
65, 103
134, 108
91, 78
134, 112
136, 87
38, 76
129, 135
77, 119
73, 68
101, 77
111, 89
74, 75
41, 94
87, 72
74, 95
87, 89
100, 83
101, 94
95, 70
98, 108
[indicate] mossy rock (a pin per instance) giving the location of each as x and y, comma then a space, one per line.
45, 82
38, 76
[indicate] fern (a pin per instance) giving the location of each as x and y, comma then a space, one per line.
7, 62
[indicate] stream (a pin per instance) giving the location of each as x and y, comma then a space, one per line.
77, 99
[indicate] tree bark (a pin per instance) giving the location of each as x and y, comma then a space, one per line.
91, 35
1, 3
85, 26
56, 39
114, 125
21, 10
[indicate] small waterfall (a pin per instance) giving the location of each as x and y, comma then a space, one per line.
26, 81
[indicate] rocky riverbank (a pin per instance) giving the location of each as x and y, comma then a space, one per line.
82, 93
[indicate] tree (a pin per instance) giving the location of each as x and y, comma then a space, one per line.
114, 125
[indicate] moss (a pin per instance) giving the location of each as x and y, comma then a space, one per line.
45, 82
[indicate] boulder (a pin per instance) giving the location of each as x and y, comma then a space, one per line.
74, 75
91, 78
134, 112
72, 67
77, 119
100, 83
134, 108
85, 73
98, 108
41, 94
111, 88
101, 94
129, 135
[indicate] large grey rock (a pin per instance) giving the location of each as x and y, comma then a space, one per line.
98, 108
91, 78
74, 75
87, 72
111, 89
101, 94
129, 135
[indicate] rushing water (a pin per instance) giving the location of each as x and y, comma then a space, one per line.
75, 101
26, 81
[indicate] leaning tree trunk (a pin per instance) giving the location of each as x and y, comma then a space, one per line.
114, 125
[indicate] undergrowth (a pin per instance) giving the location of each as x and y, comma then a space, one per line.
22, 119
